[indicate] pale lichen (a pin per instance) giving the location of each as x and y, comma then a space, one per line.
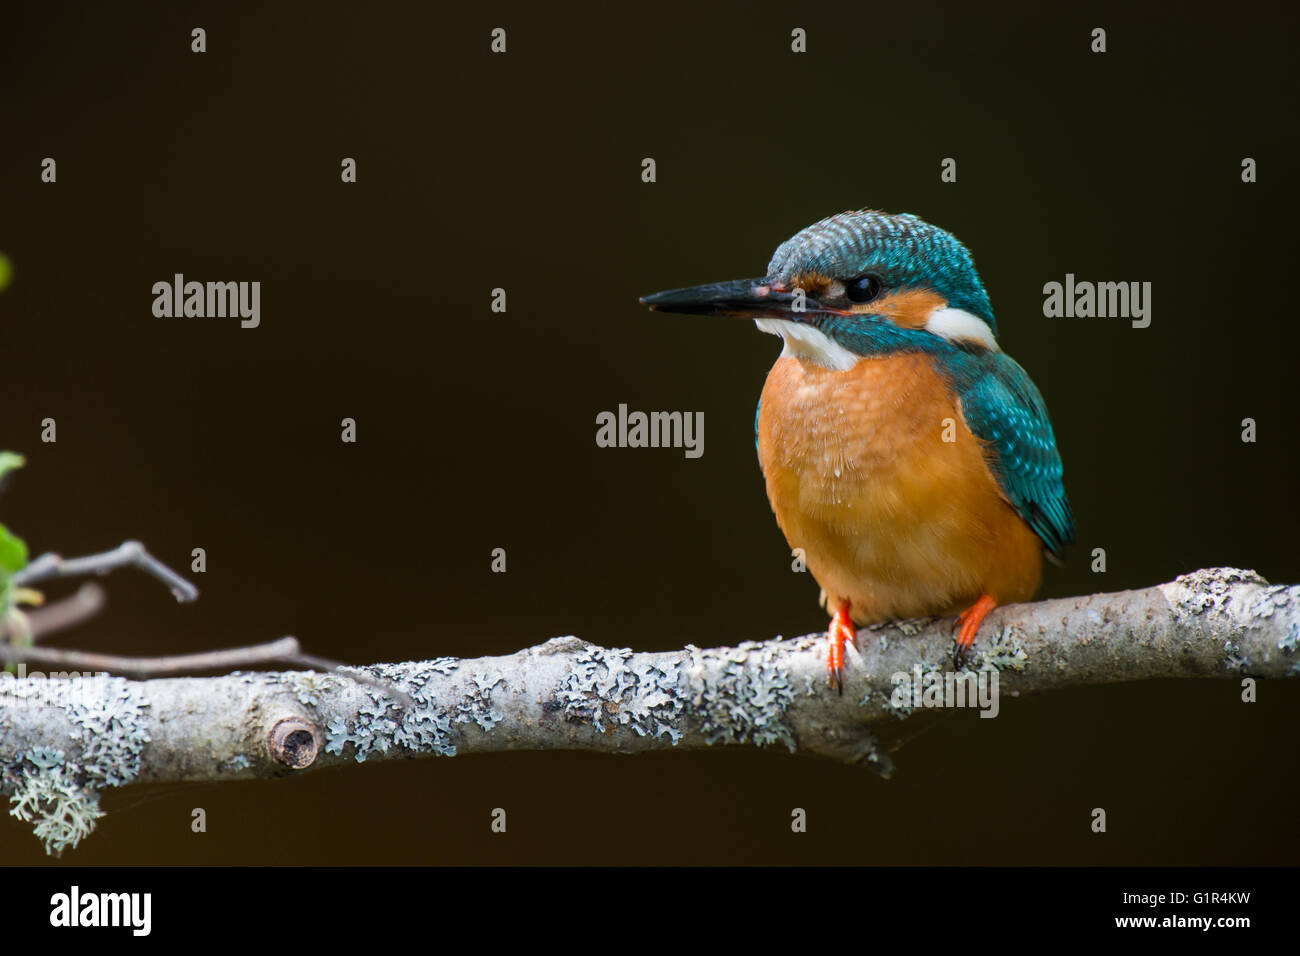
1004, 651
237, 764
1233, 659
63, 811
113, 731
740, 700
609, 685
1212, 590
908, 692
1209, 589
426, 724
58, 790
1290, 641
1279, 599
477, 705
308, 686
909, 627
1274, 597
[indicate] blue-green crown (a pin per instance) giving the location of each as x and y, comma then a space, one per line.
903, 251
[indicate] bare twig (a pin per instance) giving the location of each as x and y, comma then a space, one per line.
286, 650
69, 612
90, 599
127, 554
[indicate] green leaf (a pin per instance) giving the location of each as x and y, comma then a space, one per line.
13, 553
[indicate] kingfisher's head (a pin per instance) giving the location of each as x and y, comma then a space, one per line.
853, 284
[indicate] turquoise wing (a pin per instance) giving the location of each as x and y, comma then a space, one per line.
1002, 407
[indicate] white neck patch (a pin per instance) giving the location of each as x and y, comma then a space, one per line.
958, 324
805, 342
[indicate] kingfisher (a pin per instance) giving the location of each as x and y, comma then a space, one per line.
908, 458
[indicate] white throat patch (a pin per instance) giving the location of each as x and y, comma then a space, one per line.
805, 342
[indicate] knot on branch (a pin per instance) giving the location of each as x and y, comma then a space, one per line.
293, 743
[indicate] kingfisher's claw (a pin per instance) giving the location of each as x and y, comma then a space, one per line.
839, 632
968, 624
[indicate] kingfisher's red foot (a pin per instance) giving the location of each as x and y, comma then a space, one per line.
969, 623
841, 630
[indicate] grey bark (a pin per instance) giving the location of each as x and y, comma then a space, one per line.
62, 741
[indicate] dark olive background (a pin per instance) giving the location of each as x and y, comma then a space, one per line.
476, 430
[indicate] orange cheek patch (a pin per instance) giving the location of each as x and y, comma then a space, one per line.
909, 309
812, 283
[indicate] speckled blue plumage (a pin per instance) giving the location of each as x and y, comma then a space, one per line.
1002, 406
902, 250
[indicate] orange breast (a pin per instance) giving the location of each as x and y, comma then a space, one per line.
889, 514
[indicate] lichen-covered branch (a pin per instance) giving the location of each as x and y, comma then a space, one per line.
63, 740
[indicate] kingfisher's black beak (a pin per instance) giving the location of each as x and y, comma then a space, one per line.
745, 298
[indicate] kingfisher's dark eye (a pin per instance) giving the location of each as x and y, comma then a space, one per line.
862, 289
